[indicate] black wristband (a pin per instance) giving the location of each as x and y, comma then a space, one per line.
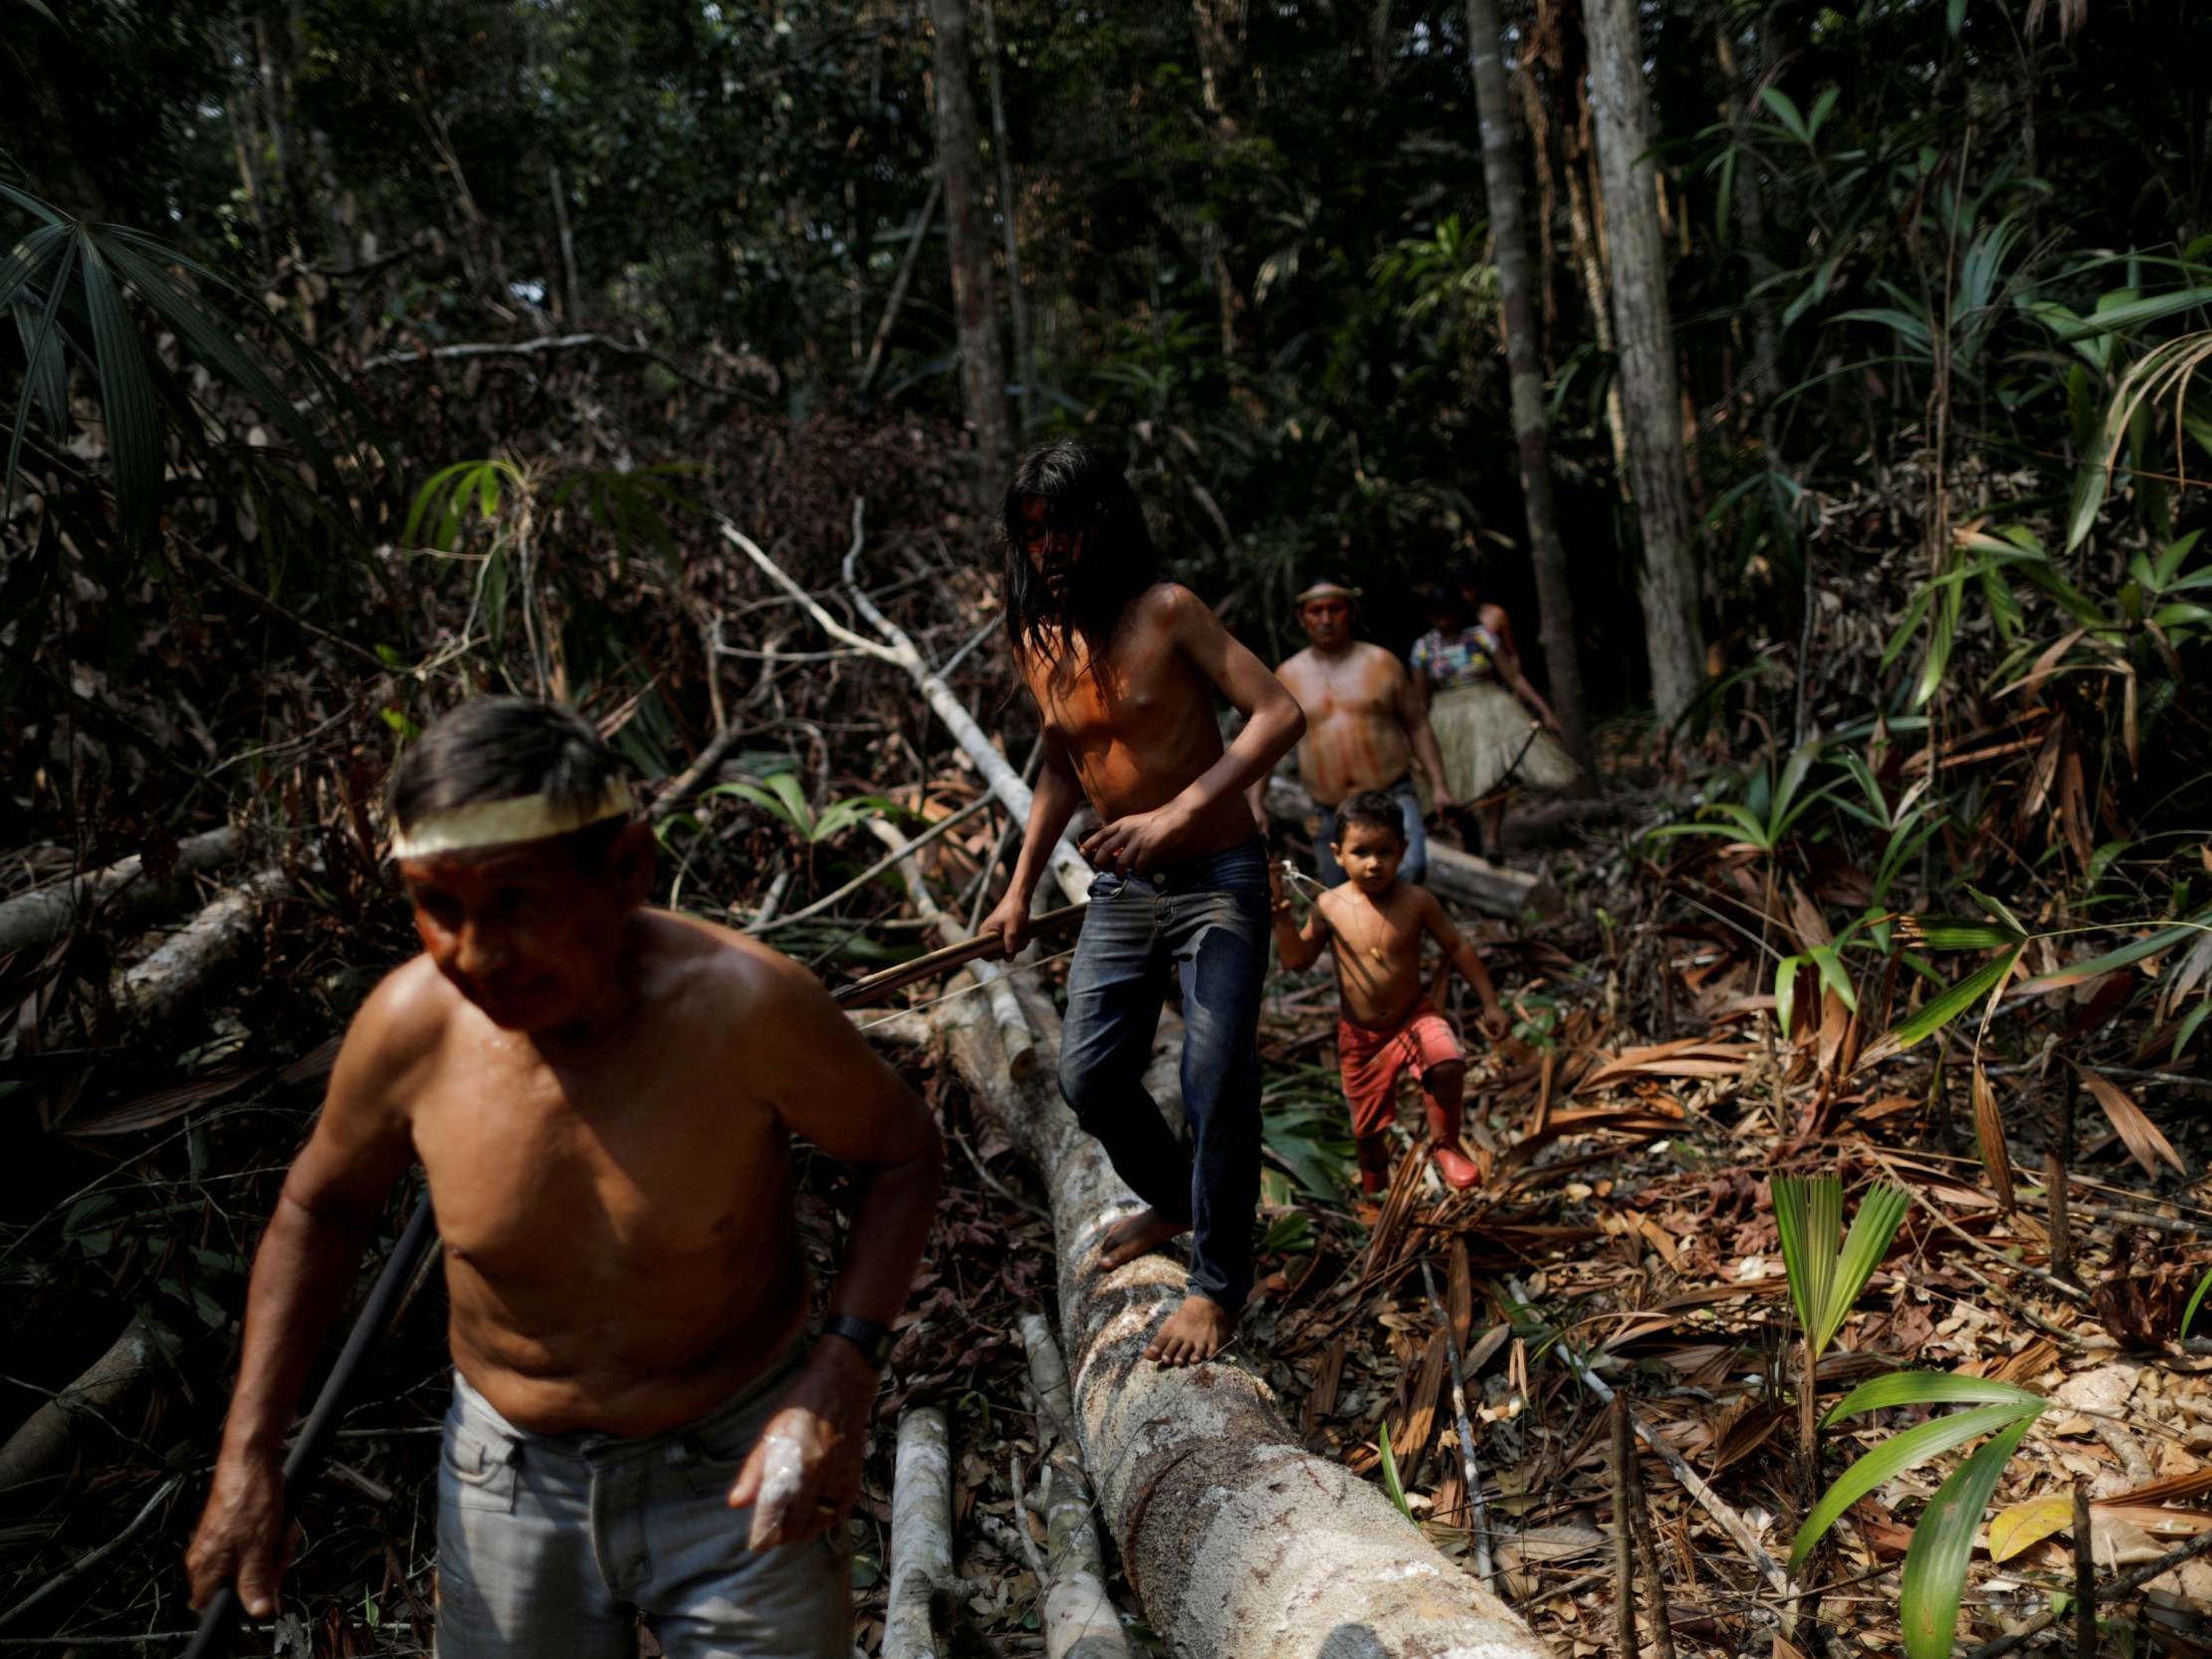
871, 1336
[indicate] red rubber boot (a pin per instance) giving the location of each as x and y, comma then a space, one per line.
1373, 1152
1457, 1170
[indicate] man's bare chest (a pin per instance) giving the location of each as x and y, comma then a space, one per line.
1357, 693
535, 1171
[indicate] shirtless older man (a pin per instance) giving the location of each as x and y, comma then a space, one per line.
1366, 727
1125, 669
603, 1098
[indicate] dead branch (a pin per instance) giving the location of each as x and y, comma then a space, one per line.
1068, 868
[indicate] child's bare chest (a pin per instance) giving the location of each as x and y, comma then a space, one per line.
1137, 688
1376, 940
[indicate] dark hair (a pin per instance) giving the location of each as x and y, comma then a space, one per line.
495, 748
1085, 493
1373, 809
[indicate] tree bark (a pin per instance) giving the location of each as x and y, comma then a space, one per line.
1237, 1542
1649, 386
1501, 180
983, 367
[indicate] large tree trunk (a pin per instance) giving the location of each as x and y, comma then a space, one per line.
1237, 1542
1010, 221
1219, 67
1501, 180
1650, 387
983, 367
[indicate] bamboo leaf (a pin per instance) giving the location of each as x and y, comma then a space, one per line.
1786, 112
2196, 1301
209, 341
1960, 933
1829, 960
1879, 1393
57, 283
1946, 1008
1942, 1542
1785, 993
1873, 1229
1906, 1450
2073, 973
2128, 315
27, 258
136, 445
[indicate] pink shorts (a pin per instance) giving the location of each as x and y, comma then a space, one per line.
1372, 1059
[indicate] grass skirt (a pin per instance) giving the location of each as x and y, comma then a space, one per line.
1480, 730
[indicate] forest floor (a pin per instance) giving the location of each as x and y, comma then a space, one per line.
1624, 1232
1626, 1137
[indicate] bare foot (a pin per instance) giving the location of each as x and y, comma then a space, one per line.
1139, 1234
1194, 1332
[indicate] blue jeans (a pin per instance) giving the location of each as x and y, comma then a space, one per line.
552, 1547
1206, 921
1416, 866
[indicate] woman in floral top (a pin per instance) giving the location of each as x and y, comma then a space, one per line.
1494, 728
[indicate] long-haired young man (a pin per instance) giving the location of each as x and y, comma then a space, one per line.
1125, 669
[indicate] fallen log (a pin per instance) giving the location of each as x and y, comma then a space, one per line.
1238, 1540
33, 920
921, 1533
41, 1447
1452, 874
156, 989
1079, 1617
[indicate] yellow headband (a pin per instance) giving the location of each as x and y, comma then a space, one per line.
499, 823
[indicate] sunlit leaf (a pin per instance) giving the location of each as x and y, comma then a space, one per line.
1908, 1449
2024, 1526
1943, 1541
1896, 1389
1941, 1010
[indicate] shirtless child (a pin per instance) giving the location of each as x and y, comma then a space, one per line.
1124, 668
1375, 924
603, 1096
1365, 726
